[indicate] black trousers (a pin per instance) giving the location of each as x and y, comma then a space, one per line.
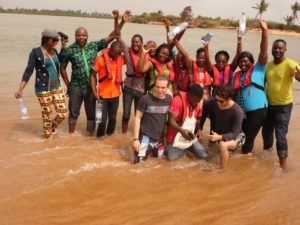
251, 125
277, 121
110, 109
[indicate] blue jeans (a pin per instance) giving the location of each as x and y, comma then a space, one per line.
197, 149
278, 118
110, 109
78, 95
129, 95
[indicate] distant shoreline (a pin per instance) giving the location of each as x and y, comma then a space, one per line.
270, 31
108, 16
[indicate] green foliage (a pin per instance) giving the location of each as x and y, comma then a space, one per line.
203, 22
295, 8
261, 7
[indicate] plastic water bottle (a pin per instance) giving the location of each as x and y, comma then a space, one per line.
242, 25
178, 29
23, 109
99, 108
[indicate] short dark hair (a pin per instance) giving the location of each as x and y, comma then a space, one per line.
138, 36
222, 52
224, 91
196, 90
199, 50
162, 46
246, 54
116, 44
280, 40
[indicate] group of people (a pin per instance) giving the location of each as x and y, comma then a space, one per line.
173, 94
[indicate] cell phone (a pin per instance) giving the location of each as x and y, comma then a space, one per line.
191, 135
206, 38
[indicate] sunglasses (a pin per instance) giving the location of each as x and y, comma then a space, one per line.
221, 101
55, 40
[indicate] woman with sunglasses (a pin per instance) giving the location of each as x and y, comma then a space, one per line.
45, 61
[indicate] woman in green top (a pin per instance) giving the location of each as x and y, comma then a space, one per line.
161, 64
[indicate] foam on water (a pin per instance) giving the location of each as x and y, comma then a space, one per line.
91, 166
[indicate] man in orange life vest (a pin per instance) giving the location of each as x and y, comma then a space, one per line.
108, 66
183, 124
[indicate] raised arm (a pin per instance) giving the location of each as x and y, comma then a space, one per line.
125, 19
116, 30
263, 54
239, 48
208, 64
167, 26
143, 66
183, 52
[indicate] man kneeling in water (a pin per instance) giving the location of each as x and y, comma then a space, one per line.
226, 118
185, 109
149, 123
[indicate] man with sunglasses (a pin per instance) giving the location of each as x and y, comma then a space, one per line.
226, 118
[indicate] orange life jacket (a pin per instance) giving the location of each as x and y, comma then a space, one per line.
183, 83
196, 71
135, 59
217, 76
247, 80
160, 68
119, 67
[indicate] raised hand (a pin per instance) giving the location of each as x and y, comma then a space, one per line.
126, 15
166, 23
263, 25
115, 14
146, 49
192, 24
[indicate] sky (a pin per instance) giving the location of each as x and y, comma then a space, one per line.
229, 9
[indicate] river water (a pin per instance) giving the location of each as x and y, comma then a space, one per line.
82, 180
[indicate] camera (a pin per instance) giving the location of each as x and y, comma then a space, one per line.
63, 35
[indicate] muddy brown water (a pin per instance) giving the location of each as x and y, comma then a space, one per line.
82, 180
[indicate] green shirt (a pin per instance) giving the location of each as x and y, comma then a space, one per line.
81, 71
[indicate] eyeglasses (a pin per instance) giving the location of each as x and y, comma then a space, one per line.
55, 40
